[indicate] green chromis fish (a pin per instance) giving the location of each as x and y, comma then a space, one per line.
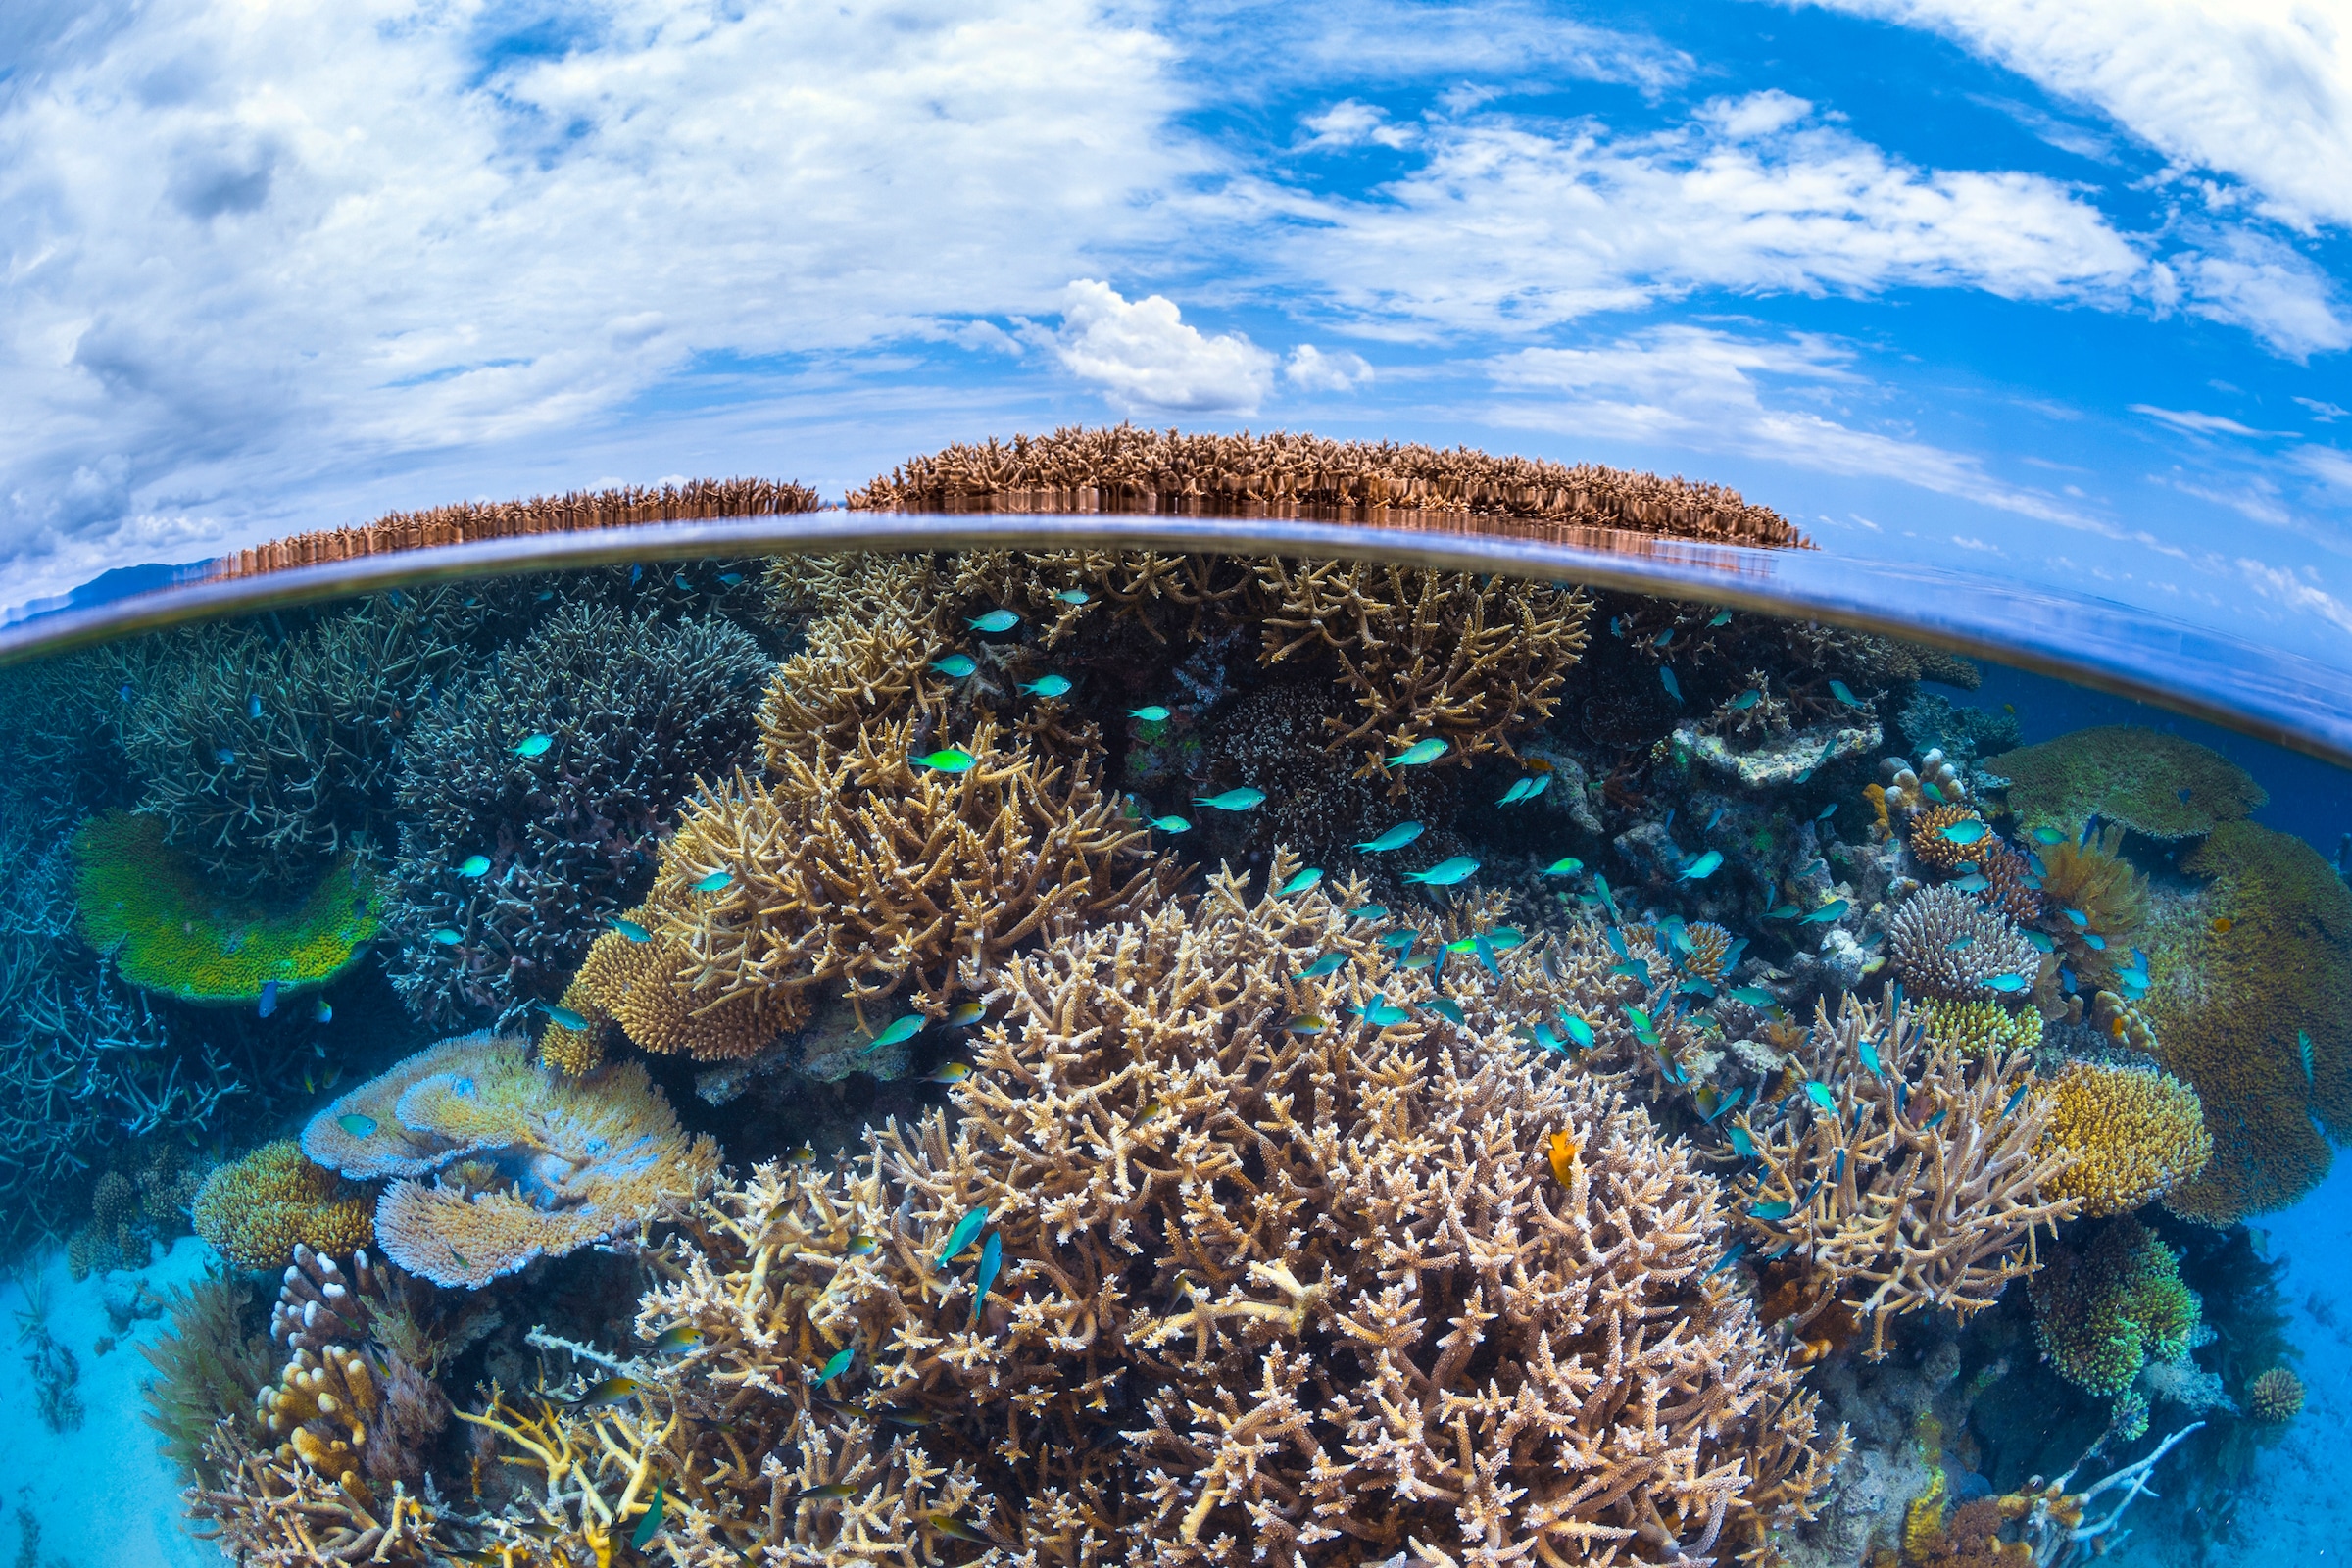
2080, 921
1745, 699
1578, 1030
1396, 838
1820, 1094
1771, 1212
947, 760
2016, 1100
1742, 1145
992, 1258
1754, 996
1236, 800
2303, 1041
961, 1236
1870, 1059
473, 865
1446, 873
1151, 714
1301, 883
730, 578
534, 745
1519, 791
1728, 1259
1486, 955
356, 1125
956, 666
831, 1491
1305, 1024
715, 882
994, 621
678, 1341
1073, 596
900, 1030
1961, 943
1973, 882
1446, 1008
1966, 831
1170, 825
1780, 911
1369, 911
1380, 1013
650, 1523
1047, 686
1700, 870
837, 1365
1401, 939
953, 1072
446, 936
2006, 983
965, 1015
950, 1526
610, 1392
1421, 960
2039, 941
1674, 688
1826, 812
1566, 865
1662, 638
1419, 754
567, 1018
1723, 617
325, 1012
1725, 1103
1843, 694
2048, 835
1328, 963
1835, 909
629, 929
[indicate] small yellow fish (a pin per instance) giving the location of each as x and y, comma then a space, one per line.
802, 1155
831, 1491
863, 1244
966, 1013
612, 1391
1151, 1112
949, 1525
1563, 1157
685, 1336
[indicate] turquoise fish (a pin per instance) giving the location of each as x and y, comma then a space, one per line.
1566, 865
1446, 873
1073, 596
446, 936
1727, 1258
1700, 870
994, 621
629, 929
1370, 912
566, 1017
961, 1236
1578, 1030
1047, 686
1328, 963
2006, 982
947, 760
2303, 1040
1967, 831
992, 1258
647, 1526
837, 1365
1380, 1013
356, 1125
1170, 825
714, 882
900, 1030
473, 865
1674, 688
1820, 1094
956, 666
1301, 883
1446, 1008
1152, 714
1419, 753
1742, 1145
1834, 910
534, 745
1723, 617
1236, 800
1396, 838
1745, 699
1840, 690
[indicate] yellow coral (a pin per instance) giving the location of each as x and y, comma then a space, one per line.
2275, 1396
577, 1052
642, 986
1974, 1027
1923, 1519
1929, 844
2134, 1135
256, 1211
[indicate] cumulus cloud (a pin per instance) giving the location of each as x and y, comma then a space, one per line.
2258, 90
1147, 360
1351, 122
1310, 370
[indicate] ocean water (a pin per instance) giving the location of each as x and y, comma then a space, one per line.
1078, 1055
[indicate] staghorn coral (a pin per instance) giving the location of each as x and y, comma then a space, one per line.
2274, 1396
1168, 597
2092, 879
2016, 887
1426, 655
859, 870
1704, 948
1945, 944
637, 710
1252, 1278
2133, 1135
266, 1513
2148, 781
571, 1162
143, 902
469, 521
2104, 1311
1127, 469
256, 1211
1918, 1187
2230, 1010
1977, 1027
864, 660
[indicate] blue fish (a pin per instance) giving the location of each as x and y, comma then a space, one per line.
1728, 1259
1616, 939
1543, 783
1961, 943
1973, 882
1152, 714
1966, 831
1566, 865
325, 1012
1396, 838
714, 882
2015, 1100
1753, 996
1834, 910
124, 691
1047, 686
1645, 1030
1170, 825
1700, 870
1446, 1008
1238, 799
2006, 983
1837, 1167
1723, 617
1780, 911
900, 1029
1820, 1094
1517, 792
1662, 638
1870, 1059
994, 621
533, 745
1635, 969
2066, 979
1726, 1103
1301, 883
1932, 793
1826, 812
1369, 911
1773, 1211
473, 865
1843, 694
1674, 688
1419, 753
1073, 596
1742, 1145
253, 706
1616, 626
956, 666
269, 997
566, 1017
1600, 889
961, 1236
447, 938
730, 578
2040, 941
1930, 1124
1380, 1013
1328, 963
2303, 1040
1486, 955
1714, 819
629, 929
1578, 1030
1746, 700
226, 757
1423, 960
2048, 835
2094, 941
1547, 1040
1401, 939
1446, 873
992, 1258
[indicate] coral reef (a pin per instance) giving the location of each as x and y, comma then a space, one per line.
2274, 1396
635, 710
527, 1164
2133, 1135
1947, 944
1977, 1027
645, 987
1127, 469
256, 1211
2103, 1311
1934, 847
142, 902
2096, 904
2144, 779
208, 1369
2230, 1010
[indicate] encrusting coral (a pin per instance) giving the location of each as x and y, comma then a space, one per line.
2103, 1312
257, 1210
2133, 1135
2144, 779
144, 902
1946, 944
530, 1164
1313, 1294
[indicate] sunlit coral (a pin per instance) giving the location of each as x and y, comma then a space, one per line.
1976, 1027
645, 987
2094, 904
2134, 1135
256, 1211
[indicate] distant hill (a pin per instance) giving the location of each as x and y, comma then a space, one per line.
118, 583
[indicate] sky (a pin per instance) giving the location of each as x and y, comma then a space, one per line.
2058, 290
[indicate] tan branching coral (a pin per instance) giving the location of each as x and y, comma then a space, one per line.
645, 987
1931, 843
2133, 1135
257, 1210
1427, 654
1059, 591
1919, 1186
1315, 1293
860, 869
1976, 1027
865, 658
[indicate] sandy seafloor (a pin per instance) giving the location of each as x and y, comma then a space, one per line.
104, 1495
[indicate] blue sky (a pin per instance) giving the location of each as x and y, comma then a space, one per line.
2059, 289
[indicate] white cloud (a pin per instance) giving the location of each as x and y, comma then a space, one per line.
2323, 413
2284, 587
2258, 90
2192, 423
1703, 389
2330, 466
1310, 370
1351, 122
1145, 358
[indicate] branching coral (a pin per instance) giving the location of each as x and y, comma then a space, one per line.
1919, 1186
2133, 1135
258, 1209
2094, 902
1933, 845
1253, 1278
2148, 781
862, 869
634, 710
2233, 1008
1127, 469
1944, 943
2103, 1312
644, 988
142, 902
1977, 1027
531, 1164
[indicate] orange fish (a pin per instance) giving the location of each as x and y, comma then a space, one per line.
1563, 1157
2222, 924
2115, 1026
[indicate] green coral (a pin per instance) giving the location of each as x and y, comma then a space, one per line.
1973, 1026
2244, 972
145, 903
2151, 782
2105, 1313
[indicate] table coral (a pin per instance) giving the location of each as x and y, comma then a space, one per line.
2104, 1311
146, 903
2147, 780
530, 1164
257, 1210
1918, 1186
2133, 1135
1315, 1296
2230, 1009
1946, 944
637, 710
